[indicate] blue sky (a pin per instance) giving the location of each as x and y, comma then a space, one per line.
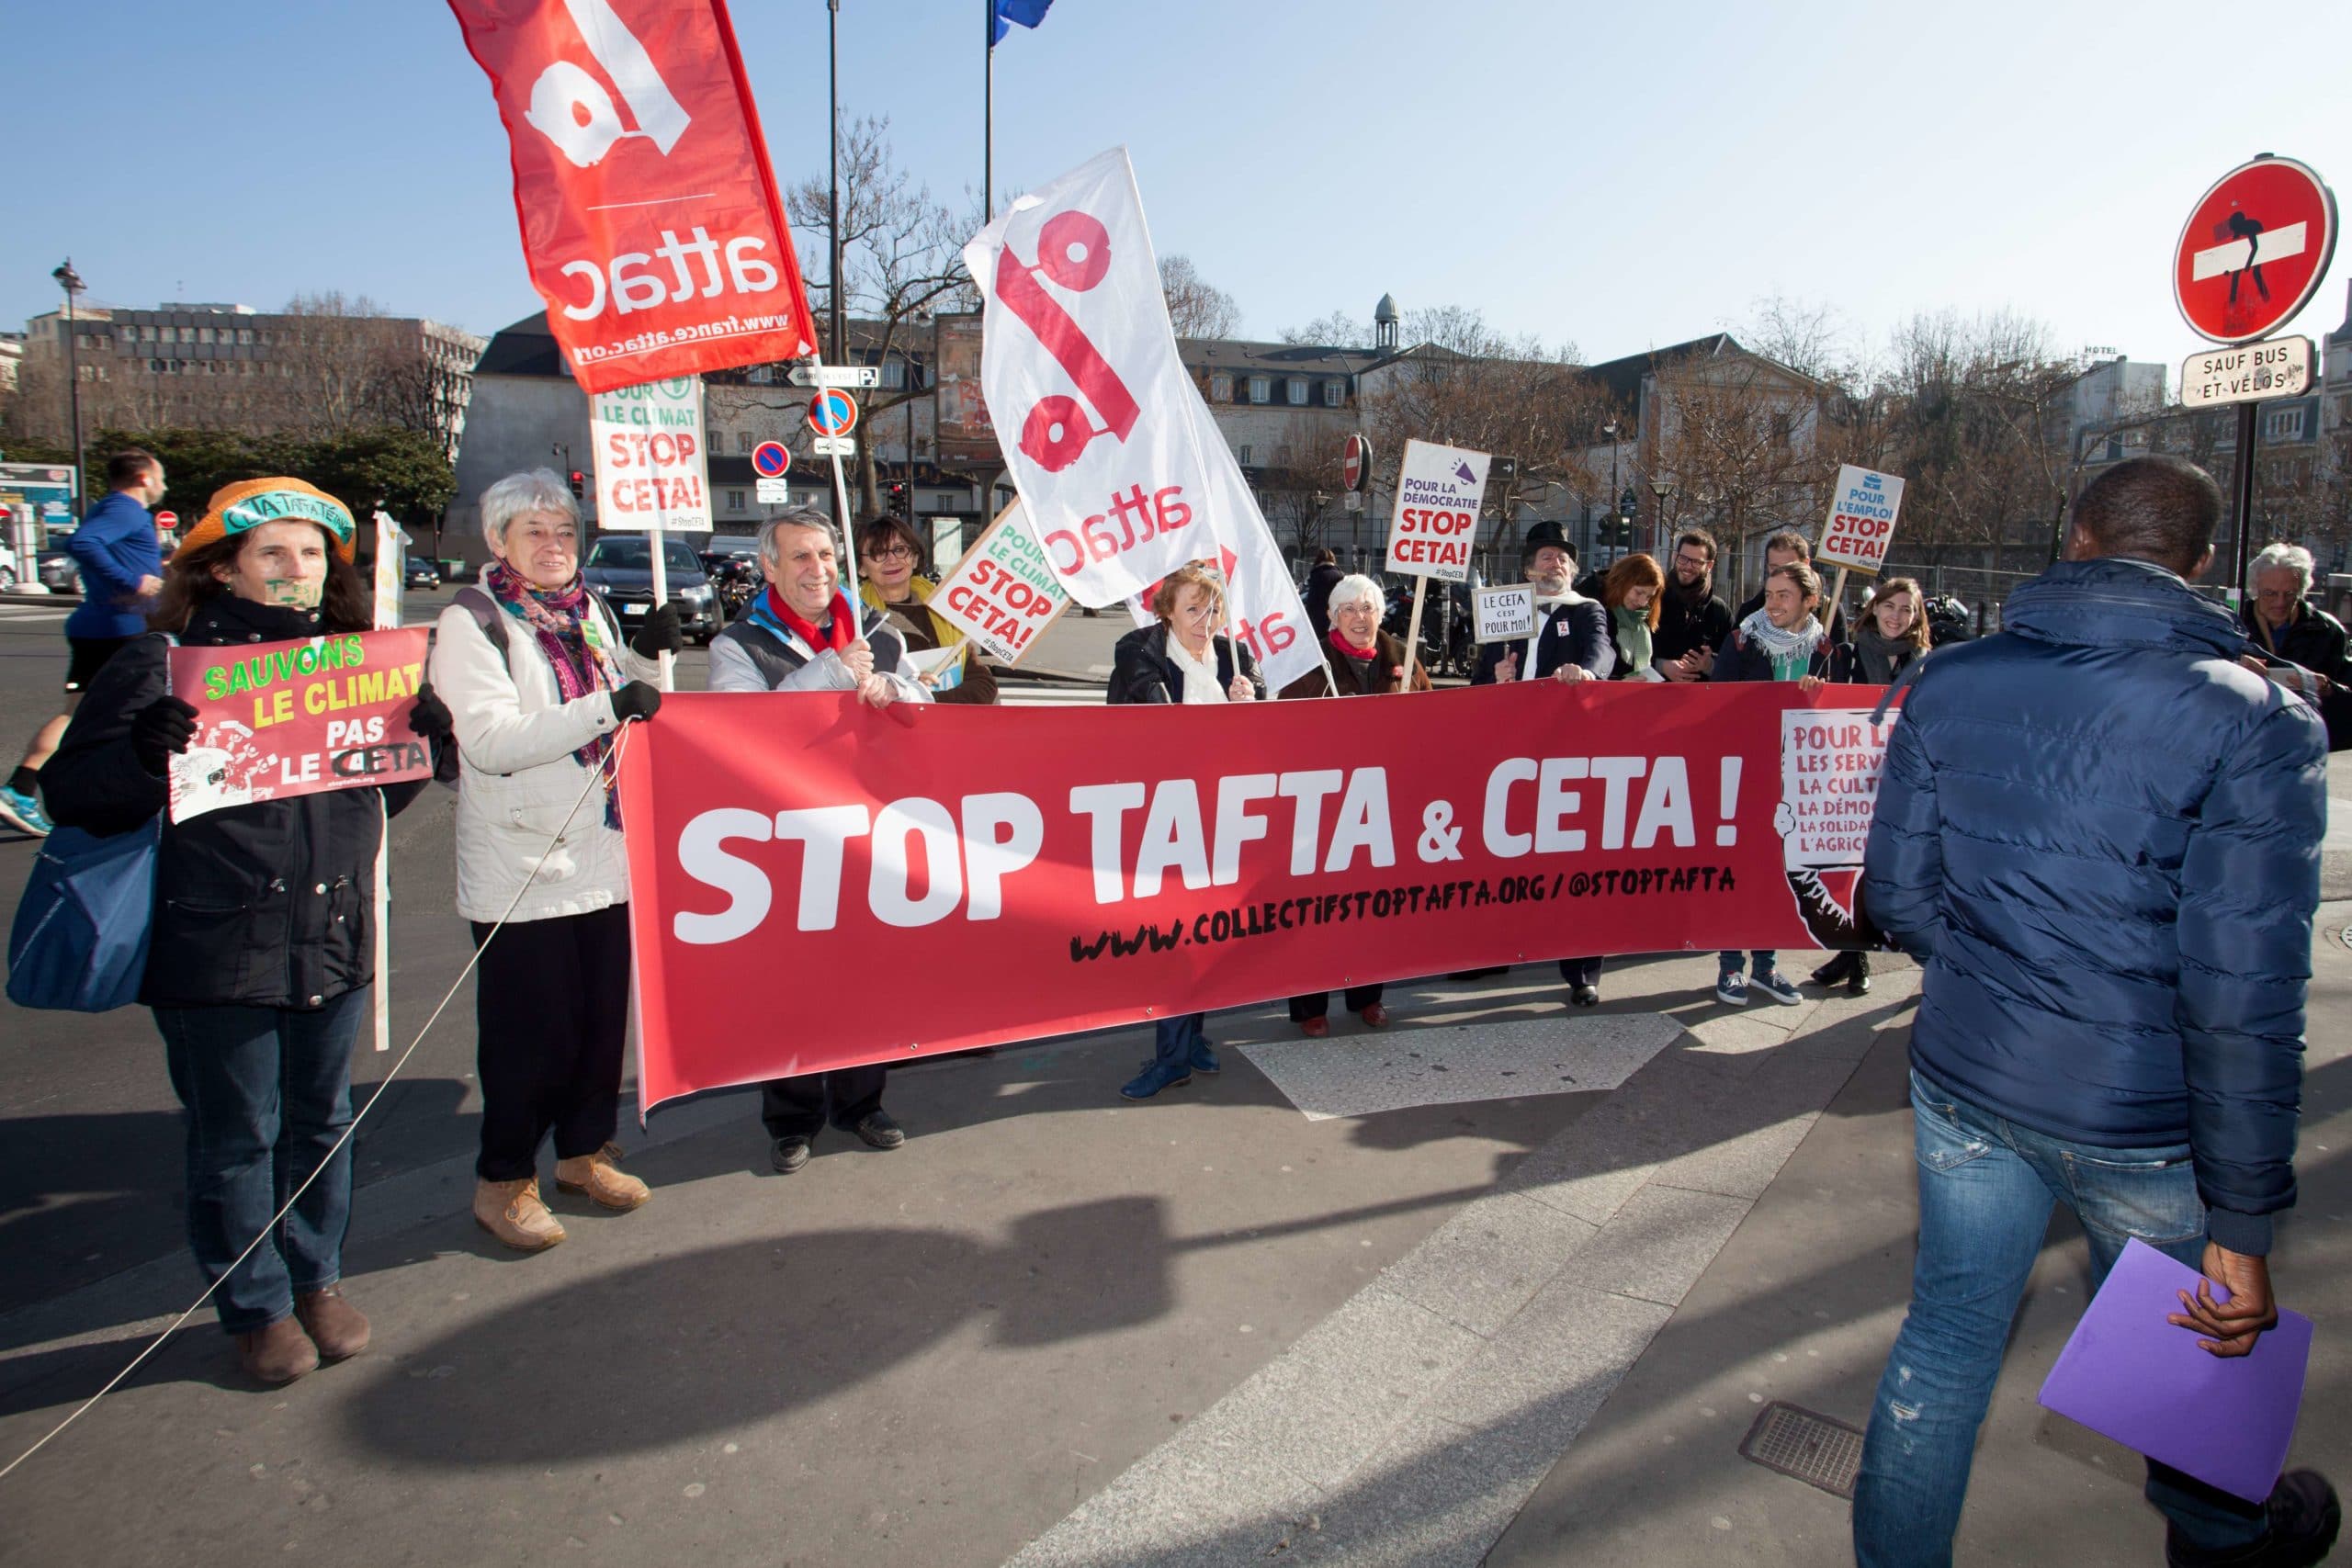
1622, 177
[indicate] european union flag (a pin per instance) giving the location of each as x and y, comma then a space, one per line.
1028, 13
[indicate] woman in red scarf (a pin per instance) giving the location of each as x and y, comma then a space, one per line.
1365, 662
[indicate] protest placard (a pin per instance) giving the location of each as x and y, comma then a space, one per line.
289, 719
1862, 520
649, 462
1002, 593
1436, 517
1505, 613
1829, 766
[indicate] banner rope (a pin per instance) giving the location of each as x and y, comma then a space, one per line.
604, 771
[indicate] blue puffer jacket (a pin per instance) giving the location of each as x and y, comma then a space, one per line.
2102, 837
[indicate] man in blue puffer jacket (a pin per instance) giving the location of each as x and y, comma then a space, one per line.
2100, 836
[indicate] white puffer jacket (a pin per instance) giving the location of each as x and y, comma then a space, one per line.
518, 780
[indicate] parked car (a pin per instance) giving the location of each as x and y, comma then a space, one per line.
620, 566
422, 573
58, 572
7, 567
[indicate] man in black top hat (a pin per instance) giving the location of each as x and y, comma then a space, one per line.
1571, 640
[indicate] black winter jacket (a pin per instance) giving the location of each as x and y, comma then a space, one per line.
1142, 671
267, 904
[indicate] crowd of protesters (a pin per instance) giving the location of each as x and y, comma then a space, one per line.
261, 965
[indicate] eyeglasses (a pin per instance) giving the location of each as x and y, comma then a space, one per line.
890, 552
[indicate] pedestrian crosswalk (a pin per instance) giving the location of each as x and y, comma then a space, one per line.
1016, 693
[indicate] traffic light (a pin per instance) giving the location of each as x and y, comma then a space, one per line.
899, 498
579, 485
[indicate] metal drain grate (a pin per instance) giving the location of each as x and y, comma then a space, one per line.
1816, 1450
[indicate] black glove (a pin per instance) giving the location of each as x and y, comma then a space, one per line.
662, 632
638, 699
161, 731
430, 718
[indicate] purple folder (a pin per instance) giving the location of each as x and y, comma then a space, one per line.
2128, 1373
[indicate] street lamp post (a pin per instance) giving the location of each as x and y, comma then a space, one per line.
1664, 491
71, 281
1610, 430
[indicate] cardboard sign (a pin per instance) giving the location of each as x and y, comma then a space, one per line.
1861, 519
277, 719
1829, 767
650, 217
1002, 593
1505, 613
647, 441
1436, 519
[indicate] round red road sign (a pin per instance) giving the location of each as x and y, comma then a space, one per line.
2254, 250
167, 521
833, 412
1355, 462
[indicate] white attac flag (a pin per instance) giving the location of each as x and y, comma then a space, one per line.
1079, 368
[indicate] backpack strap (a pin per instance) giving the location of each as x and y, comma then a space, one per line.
486, 614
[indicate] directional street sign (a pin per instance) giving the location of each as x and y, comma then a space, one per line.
770, 461
833, 412
837, 376
833, 446
2254, 250
2252, 372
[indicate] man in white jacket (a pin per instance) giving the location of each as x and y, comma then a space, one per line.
805, 634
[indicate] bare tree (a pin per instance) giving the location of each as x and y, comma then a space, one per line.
1196, 308
1337, 330
901, 258
1735, 437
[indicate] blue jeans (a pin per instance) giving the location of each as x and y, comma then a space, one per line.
1174, 1039
1986, 1188
267, 1092
1731, 961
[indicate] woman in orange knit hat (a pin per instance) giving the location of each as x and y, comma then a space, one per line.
261, 951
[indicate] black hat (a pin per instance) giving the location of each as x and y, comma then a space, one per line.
1543, 536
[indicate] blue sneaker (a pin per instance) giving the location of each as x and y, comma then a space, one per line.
1731, 988
23, 813
1155, 1077
1777, 986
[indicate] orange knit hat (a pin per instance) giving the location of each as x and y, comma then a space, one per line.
251, 503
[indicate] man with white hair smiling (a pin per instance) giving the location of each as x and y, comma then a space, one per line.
2287, 628
805, 634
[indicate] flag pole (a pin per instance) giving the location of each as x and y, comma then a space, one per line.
988, 114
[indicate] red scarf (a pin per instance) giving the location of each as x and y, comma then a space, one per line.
1369, 650
841, 629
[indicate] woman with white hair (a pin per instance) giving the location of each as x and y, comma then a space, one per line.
1364, 662
538, 683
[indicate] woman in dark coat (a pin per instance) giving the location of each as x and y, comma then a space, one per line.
1181, 659
1783, 640
887, 551
1889, 635
261, 954
1364, 662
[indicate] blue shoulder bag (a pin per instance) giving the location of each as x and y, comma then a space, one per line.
80, 938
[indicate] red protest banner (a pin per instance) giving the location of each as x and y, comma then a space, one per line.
275, 719
650, 218
1002, 875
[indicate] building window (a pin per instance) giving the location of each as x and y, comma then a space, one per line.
244, 334
1335, 393
1220, 387
2283, 424
894, 375
762, 374
1262, 390
1297, 393
204, 334
923, 446
734, 501
1243, 457
743, 441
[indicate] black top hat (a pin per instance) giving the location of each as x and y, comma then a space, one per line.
1545, 534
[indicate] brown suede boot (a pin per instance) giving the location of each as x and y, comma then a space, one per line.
335, 1326
512, 1212
278, 1354
598, 1177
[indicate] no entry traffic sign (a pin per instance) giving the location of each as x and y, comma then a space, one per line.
2254, 250
833, 412
1355, 463
770, 461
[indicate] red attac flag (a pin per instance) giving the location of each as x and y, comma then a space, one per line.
650, 218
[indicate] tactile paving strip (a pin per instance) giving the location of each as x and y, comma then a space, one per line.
1815, 1449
